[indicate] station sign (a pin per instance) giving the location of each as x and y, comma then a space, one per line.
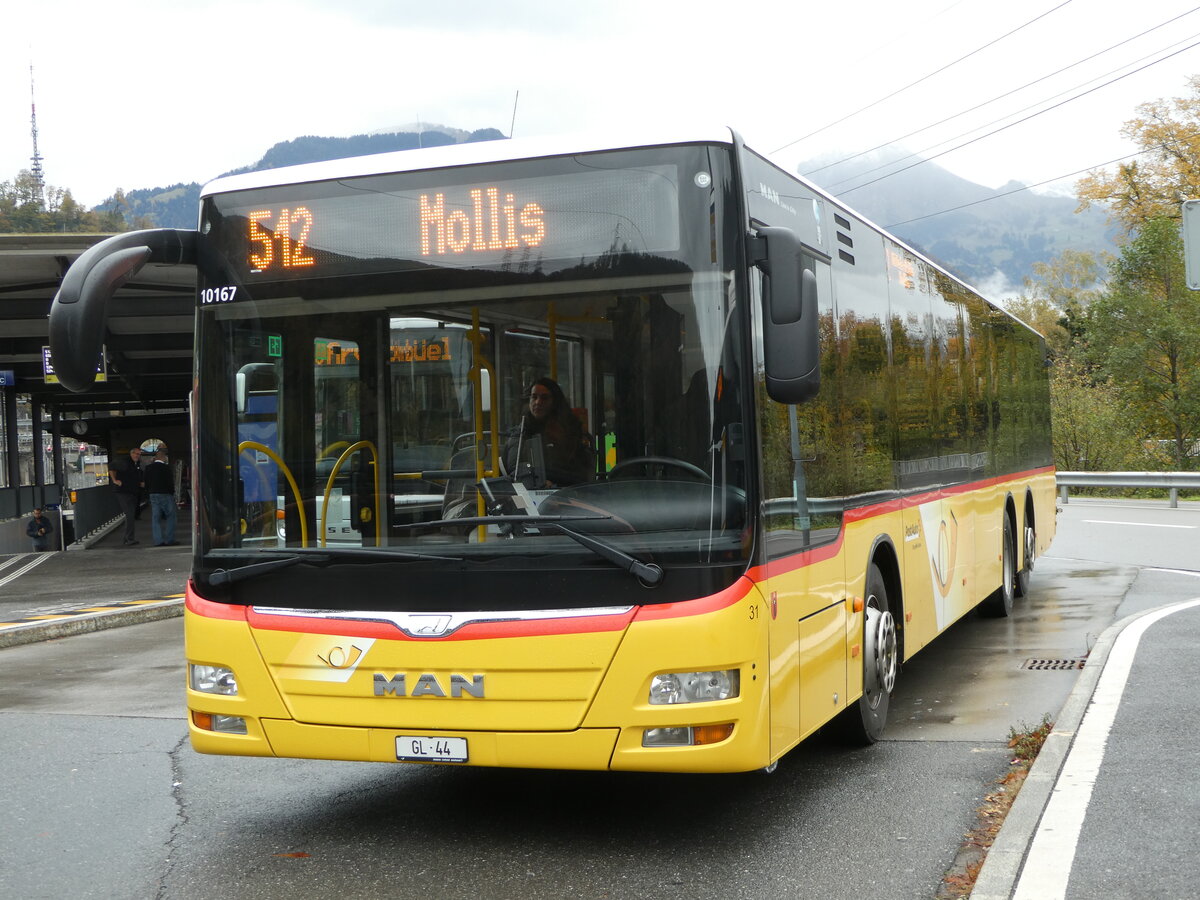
7, 378
1191, 244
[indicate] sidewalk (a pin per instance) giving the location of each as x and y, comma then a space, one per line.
60, 593
1108, 809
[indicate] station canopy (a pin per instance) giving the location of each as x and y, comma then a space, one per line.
148, 341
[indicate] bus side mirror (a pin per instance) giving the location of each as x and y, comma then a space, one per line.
79, 314
790, 335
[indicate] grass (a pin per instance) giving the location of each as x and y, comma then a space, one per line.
1025, 743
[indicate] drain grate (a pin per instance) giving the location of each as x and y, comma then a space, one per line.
1053, 665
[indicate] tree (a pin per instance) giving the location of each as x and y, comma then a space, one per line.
1091, 431
23, 209
1056, 297
1144, 335
1165, 173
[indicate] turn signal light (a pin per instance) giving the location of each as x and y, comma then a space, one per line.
711, 734
222, 724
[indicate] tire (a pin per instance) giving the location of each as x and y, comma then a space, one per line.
1030, 548
863, 723
1000, 603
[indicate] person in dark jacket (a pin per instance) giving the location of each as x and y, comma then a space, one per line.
565, 446
160, 485
39, 530
126, 477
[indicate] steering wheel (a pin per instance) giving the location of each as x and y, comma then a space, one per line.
666, 462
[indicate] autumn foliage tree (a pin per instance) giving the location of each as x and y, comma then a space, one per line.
1165, 173
28, 209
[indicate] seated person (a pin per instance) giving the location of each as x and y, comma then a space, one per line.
565, 448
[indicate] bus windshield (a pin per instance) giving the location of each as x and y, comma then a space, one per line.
476, 373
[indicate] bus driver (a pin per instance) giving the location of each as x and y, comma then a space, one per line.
565, 447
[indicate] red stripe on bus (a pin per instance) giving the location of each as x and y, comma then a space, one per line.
700, 605
862, 513
586, 624
196, 604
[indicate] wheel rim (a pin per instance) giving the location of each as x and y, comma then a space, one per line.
1030, 544
1010, 567
880, 670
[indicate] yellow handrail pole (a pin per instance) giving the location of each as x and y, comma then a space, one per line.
287, 473
346, 454
480, 364
335, 445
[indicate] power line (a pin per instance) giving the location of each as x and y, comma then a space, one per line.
974, 140
918, 154
922, 78
1027, 187
978, 106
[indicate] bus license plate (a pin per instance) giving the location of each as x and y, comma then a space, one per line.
430, 749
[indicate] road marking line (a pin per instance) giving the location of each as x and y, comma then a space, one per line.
1051, 855
1137, 524
19, 558
37, 560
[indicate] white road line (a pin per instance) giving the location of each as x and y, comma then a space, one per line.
1051, 856
12, 561
37, 560
1137, 524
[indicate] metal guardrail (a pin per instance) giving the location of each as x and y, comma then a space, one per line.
1171, 481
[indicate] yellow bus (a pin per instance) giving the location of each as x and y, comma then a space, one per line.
783, 453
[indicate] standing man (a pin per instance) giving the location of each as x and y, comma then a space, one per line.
160, 484
39, 530
126, 477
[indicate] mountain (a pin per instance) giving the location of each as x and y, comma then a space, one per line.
988, 237
175, 206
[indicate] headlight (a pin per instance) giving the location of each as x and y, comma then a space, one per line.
693, 687
212, 680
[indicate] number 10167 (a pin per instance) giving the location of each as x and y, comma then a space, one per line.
218, 294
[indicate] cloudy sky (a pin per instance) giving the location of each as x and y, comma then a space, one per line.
133, 94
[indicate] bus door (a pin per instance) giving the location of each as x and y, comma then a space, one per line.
345, 462
440, 376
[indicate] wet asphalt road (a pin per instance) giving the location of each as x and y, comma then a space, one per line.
106, 799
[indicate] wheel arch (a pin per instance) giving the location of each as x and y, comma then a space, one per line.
1029, 520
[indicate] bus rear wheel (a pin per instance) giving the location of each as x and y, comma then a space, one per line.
1022, 585
863, 723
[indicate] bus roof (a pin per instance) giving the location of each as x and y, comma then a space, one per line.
462, 155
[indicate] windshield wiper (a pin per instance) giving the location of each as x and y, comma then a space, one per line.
241, 573
649, 574
308, 555
521, 519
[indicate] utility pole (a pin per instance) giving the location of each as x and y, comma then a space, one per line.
39, 181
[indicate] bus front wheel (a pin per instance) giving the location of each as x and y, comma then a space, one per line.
863, 723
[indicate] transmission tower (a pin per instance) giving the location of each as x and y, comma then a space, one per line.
39, 181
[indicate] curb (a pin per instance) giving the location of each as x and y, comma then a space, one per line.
1002, 866
85, 623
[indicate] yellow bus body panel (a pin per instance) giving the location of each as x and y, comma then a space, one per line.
576, 695
530, 683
